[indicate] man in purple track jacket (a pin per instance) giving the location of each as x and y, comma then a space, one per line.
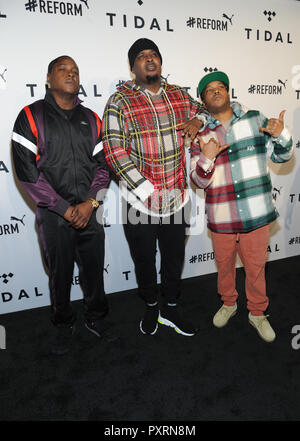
59, 160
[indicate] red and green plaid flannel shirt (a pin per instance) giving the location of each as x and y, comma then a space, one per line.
238, 184
143, 147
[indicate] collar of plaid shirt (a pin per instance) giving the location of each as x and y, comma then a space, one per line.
238, 111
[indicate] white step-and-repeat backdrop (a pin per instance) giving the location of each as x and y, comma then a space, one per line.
257, 44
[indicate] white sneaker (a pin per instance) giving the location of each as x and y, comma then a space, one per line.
263, 327
223, 315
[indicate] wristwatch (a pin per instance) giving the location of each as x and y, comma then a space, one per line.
94, 203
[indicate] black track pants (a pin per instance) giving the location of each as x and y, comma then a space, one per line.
62, 246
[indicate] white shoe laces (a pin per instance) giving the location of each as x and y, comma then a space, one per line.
260, 320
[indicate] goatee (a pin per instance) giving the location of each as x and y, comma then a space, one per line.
151, 79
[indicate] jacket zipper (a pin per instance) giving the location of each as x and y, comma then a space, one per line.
74, 162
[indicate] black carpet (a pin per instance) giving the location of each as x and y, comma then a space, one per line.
227, 374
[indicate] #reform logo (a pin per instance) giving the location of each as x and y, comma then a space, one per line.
56, 7
268, 89
209, 23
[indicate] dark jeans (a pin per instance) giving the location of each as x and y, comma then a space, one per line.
62, 246
142, 238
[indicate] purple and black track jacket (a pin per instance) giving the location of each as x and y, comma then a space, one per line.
58, 155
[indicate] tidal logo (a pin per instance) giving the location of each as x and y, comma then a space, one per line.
138, 22
267, 35
210, 69
8, 296
3, 167
294, 197
275, 248
269, 14
6, 277
82, 91
277, 37
126, 274
22, 294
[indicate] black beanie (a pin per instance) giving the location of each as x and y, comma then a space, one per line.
140, 45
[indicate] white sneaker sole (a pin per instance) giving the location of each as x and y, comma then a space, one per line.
148, 333
166, 322
93, 331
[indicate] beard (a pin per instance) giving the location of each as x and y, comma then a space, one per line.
151, 79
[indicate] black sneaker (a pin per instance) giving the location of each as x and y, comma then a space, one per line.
171, 317
148, 324
63, 339
101, 329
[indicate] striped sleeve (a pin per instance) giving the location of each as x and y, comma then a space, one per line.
279, 149
25, 153
283, 147
101, 178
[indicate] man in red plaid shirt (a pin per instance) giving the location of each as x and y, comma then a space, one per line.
145, 149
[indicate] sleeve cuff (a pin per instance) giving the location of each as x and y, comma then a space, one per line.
283, 138
205, 163
61, 207
144, 190
92, 193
